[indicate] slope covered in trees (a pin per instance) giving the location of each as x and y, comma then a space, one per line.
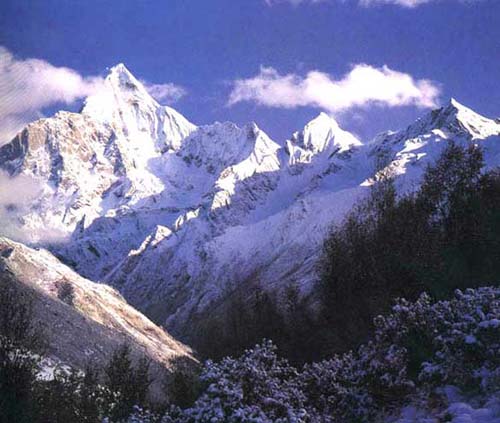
33, 391
442, 236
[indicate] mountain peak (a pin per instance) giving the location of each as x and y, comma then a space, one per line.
454, 103
453, 118
120, 92
323, 120
453, 108
324, 133
120, 76
119, 67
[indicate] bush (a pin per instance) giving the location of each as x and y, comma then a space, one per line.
459, 344
66, 292
127, 385
182, 384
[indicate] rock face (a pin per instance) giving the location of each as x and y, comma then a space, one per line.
94, 324
176, 216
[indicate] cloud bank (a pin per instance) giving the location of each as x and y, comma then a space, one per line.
16, 196
403, 3
363, 86
29, 85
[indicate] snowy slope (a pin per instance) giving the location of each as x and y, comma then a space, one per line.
176, 216
98, 322
277, 240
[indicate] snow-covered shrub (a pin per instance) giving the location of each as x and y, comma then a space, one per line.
332, 391
142, 416
417, 348
467, 340
416, 353
259, 386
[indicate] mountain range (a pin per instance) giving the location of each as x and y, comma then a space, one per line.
177, 217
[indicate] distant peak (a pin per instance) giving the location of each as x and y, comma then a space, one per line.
454, 103
118, 67
252, 129
121, 90
324, 119
324, 133
455, 110
455, 118
252, 125
453, 106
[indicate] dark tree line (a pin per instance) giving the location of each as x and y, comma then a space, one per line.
443, 236
20, 341
247, 318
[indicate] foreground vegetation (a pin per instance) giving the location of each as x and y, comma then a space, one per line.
33, 390
416, 353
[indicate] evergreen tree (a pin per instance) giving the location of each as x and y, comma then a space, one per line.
127, 386
20, 342
436, 239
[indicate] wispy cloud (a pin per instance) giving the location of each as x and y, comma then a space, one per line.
165, 93
411, 3
292, 2
17, 195
363, 86
367, 3
403, 3
29, 85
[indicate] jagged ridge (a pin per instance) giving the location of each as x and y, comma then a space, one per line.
176, 215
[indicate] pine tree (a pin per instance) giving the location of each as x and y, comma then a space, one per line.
20, 342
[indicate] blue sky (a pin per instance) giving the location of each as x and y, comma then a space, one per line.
204, 46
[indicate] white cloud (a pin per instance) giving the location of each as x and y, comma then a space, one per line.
16, 194
292, 2
404, 3
10, 125
409, 3
169, 93
363, 86
27, 86
367, 3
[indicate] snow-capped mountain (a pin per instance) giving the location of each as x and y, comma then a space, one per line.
177, 216
94, 162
